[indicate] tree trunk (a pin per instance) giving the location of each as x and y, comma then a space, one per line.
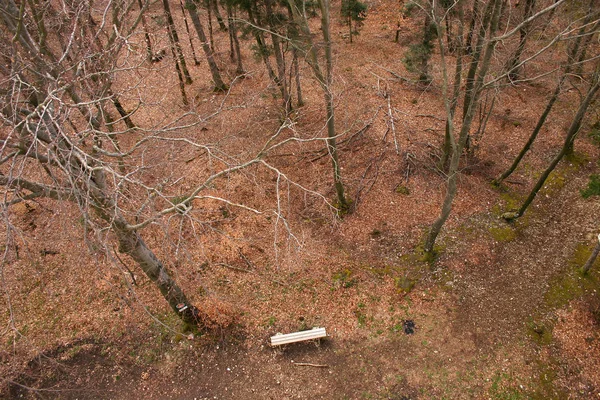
571, 134
121, 110
331, 141
176, 46
215, 7
214, 70
533, 135
457, 148
447, 146
573, 51
514, 68
236, 43
472, 26
476, 52
149, 53
278, 51
590, 261
187, 29
180, 75
262, 48
132, 244
324, 81
229, 24
300, 100
211, 40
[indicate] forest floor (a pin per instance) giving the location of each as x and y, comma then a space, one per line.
502, 313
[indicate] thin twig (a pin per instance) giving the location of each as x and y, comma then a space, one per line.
312, 365
392, 126
248, 263
233, 268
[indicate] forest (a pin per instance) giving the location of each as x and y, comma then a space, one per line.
181, 180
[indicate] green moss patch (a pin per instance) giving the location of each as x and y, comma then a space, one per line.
503, 234
593, 188
343, 279
540, 332
572, 284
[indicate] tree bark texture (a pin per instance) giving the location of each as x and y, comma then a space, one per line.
590, 261
214, 70
175, 44
457, 147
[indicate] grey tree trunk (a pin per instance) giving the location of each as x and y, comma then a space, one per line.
79, 177
324, 81
447, 146
571, 56
149, 53
175, 44
132, 244
277, 50
220, 86
571, 134
472, 26
300, 99
590, 261
533, 136
236, 43
187, 29
513, 66
331, 141
215, 7
262, 48
457, 147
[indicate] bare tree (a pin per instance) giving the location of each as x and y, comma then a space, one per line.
570, 63
306, 45
476, 83
59, 144
568, 142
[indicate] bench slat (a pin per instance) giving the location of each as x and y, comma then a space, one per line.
314, 333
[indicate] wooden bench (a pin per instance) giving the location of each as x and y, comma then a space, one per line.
314, 333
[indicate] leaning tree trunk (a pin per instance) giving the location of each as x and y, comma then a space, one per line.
590, 261
220, 86
571, 134
215, 7
568, 67
175, 44
132, 244
187, 29
533, 135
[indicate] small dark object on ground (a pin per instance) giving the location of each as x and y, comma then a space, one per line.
409, 326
